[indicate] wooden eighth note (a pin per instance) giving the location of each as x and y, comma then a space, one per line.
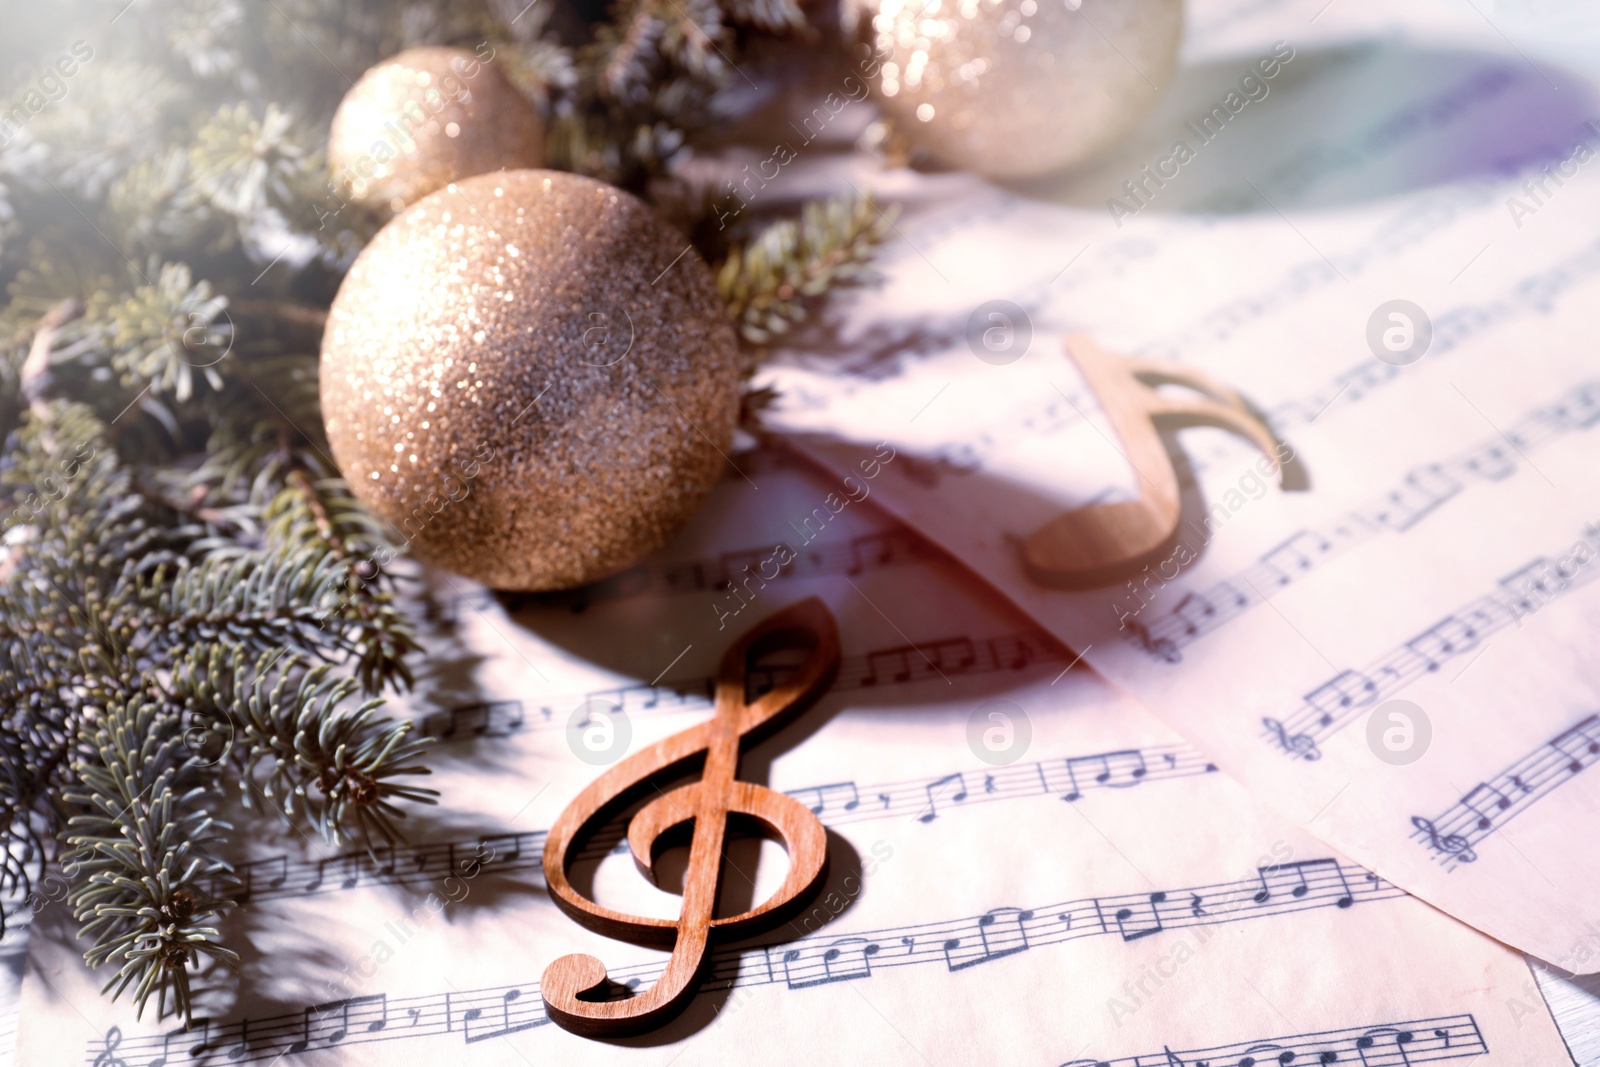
706, 804
1101, 543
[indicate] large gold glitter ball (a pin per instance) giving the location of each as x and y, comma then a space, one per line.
531, 377
1018, 88
425, 118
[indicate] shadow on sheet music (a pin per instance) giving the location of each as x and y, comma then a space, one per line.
1353, 124
833, 900
681, 607
230, 996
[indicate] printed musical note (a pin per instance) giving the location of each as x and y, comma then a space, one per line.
840, 804
1489, 805
316, 882
840, 796
1195, 610
1289, 879
242, 1049
1001, 932
952, 785
1116, 770
1422, 493
1163, 648
1493, 462
474, 718
954, 655
934, 660
1134, 923
1424, 490
888, 665
1299, 553
502, 849
1261, 1053
1581, 743
1444, 641
1531, 587
744, 566
1336, 703
755, 565
313, 1033
1483, 805
1349, 689
267, 874
858, 954
838, 963
186, 1036
1400, 1038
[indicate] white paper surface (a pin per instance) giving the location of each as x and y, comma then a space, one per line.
1444, 552
1103, 896
444, 946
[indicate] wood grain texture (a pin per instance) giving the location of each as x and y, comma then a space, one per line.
706, 804
1101, 543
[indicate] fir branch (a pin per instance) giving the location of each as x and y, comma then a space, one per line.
771, 283
139, 846
168, 332
247, 165
301, 749
178, 556
771, 16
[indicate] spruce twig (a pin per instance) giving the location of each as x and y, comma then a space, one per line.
772, 283
192, 603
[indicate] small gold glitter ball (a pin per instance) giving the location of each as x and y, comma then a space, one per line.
1017, 88
425, 118
531, 378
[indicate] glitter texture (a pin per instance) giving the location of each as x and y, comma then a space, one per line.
424, 119
530, 376
1014, 88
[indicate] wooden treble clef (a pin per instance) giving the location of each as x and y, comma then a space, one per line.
706, 804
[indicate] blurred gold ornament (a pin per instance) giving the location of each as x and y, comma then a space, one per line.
531, 377
1016, 88
425, 118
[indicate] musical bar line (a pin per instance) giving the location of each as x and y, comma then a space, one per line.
923, 800
1423, 490
957, 945
1334, 704
896, 665
1398, 1044
1455, 835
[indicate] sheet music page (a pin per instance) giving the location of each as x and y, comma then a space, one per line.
1439, 543
1026, 867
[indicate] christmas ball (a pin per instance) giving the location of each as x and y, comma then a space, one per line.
425, 118
531, 378
1016, 88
